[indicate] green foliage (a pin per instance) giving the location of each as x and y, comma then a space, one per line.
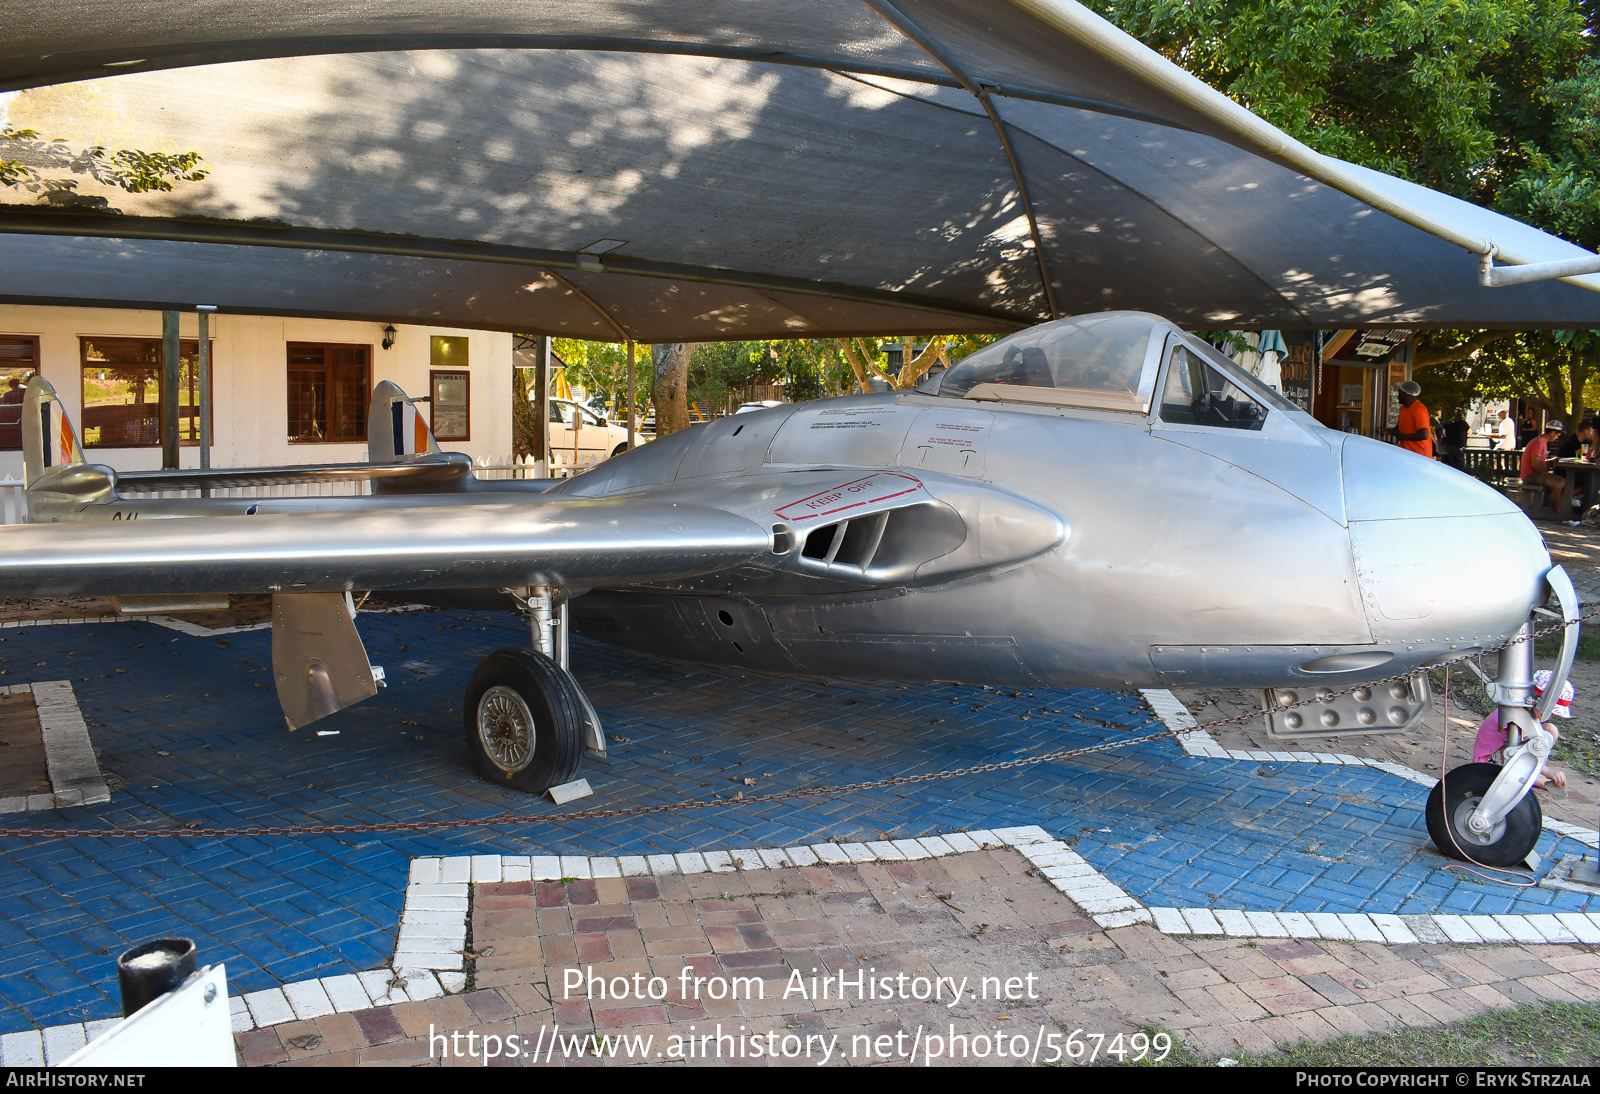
1557, 184
32, 163
1490, 100
601, 369
808, 368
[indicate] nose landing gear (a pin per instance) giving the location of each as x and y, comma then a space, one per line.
1486, 813
1449, 813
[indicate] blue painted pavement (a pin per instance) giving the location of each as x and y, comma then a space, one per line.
190, 735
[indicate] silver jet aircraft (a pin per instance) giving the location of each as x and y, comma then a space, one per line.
1101, 501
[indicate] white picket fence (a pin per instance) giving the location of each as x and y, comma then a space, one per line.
14, 501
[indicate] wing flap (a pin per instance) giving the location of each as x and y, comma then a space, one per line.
560, 542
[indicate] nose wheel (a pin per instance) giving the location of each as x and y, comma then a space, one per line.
1452, 804
524, 721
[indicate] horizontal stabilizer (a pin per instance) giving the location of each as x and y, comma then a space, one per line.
561, 542
441, 472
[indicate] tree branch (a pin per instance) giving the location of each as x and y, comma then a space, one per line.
1462, 351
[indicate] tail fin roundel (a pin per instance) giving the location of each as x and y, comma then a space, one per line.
48, 438
396, 429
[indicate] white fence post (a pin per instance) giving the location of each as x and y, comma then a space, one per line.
13, 502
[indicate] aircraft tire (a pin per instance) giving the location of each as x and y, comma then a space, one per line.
523, 717
620, 449
1511, 841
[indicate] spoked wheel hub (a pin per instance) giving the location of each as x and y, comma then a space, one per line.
523, 718
506, 729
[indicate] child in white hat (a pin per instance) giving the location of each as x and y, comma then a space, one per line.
1492, 739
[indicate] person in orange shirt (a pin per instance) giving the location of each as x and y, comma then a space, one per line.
1412, 427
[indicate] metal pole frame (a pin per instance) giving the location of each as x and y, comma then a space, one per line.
541, 401
171, 378
633, 416
203, 379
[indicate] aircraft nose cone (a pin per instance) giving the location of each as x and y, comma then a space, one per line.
1444, 561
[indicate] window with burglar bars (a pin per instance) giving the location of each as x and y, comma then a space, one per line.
329, 388
122, 392
19, 360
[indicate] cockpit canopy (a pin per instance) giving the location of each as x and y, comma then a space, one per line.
1099, 359
1110, 361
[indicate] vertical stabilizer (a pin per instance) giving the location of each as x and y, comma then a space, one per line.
48, 438
396, 430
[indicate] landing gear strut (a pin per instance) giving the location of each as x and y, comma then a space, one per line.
1486, 813
527, 721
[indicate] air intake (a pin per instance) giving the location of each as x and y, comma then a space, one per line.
883, 547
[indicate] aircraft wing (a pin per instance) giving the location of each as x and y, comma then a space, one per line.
567, 542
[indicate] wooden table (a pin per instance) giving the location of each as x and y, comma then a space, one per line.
1571, 469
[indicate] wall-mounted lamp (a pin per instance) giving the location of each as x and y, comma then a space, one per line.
388, 336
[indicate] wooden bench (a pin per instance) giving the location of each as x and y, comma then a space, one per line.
1530, 499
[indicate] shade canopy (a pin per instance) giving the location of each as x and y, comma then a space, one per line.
705, 169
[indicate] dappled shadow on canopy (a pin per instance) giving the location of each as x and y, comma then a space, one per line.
671, 172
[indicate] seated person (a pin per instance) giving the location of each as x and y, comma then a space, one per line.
1492, 739
1536, 468
1581, 445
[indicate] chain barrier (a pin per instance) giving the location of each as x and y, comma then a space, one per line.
515, 820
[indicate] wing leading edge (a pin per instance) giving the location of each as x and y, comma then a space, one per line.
571, 543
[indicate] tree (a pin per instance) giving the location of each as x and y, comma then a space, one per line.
1557, 185
670, 389
1490, 100
43, 166
864, 354
1554, 370
601, 369
524, 424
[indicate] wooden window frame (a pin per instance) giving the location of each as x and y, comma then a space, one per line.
190, 345
366, 348
6, 427
466, 376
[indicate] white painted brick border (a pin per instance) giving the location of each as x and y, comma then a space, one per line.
433, 926
75, 777
12, 624
1197, 742
428, 957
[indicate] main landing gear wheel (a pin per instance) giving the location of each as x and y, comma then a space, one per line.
1506, 844
524, 721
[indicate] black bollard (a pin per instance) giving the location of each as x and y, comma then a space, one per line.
151, 969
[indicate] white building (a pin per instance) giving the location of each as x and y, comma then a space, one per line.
284, 391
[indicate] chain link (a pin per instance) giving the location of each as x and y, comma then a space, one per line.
522, 820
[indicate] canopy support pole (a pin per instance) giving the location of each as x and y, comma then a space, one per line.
171, 377
622, 335
203, 381
1491, 276
633, 419
891, 15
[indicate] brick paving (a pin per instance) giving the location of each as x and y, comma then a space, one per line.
976, 915
22, 763
1420, 749
189, 733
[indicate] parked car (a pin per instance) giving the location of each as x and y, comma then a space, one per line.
760, 404
596, 437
